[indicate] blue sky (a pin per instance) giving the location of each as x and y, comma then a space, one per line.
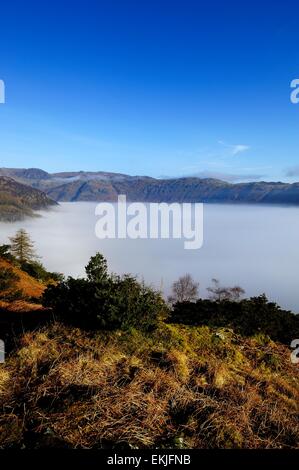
153, 87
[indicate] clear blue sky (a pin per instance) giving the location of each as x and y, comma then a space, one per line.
151, 87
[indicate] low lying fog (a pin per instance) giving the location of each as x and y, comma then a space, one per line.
255, 247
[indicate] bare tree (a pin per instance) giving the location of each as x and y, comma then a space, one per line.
218, 292
236, 293
22, 247
185, 289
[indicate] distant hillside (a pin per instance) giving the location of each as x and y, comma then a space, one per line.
18, 200
103, 186
29, 286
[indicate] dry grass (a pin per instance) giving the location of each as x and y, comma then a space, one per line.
178, 387
20, 306
29, 287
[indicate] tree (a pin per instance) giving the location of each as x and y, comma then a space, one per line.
97, 270
236, 293
219, 293
22, 247
105, 301
185, 289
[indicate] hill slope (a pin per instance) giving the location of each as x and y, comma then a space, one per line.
178, 387
170, 386
18, 200
103, 186
29, 286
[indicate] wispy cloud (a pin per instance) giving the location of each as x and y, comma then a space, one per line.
229, 177
235, 149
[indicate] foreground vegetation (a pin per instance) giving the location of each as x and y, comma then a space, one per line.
105, 362
179, 386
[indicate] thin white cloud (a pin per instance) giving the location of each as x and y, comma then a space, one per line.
235, 149
229, 177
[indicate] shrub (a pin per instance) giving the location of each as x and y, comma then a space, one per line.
5, 252
8, 278
104, 301
37, 270
248, 317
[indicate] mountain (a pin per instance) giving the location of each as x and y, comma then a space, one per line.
19, 200
105, 186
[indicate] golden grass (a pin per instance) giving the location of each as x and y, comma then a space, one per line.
20, 306
176, 387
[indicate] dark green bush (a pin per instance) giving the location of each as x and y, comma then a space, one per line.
5, 252
105, 301
8, 278
37, 270
247, 317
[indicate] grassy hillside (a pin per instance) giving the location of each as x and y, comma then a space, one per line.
27, 284
20, 300
180, 386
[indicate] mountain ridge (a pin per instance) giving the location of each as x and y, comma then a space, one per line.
18, 200
106, 186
